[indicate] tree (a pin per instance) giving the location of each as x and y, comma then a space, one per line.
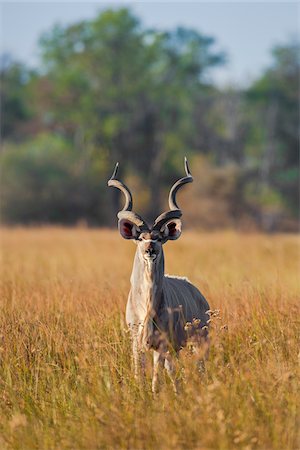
126, 93
44, 181
274, 103
14, 101
110, 90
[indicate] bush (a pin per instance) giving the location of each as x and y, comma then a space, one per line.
45, 180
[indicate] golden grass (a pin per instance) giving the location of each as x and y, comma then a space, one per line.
65, 367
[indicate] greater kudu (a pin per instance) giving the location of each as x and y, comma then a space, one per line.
160, 307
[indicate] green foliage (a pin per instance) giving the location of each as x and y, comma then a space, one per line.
275, 121
44, 180
110, 90
126, 88
264, 197
14, 98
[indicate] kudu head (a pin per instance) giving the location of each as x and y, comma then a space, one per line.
166, 227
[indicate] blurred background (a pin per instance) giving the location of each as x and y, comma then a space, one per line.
86, 85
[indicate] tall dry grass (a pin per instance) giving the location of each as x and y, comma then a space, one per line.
65, 369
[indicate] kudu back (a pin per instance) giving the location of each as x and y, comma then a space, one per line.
162, 311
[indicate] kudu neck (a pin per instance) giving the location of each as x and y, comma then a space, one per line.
147, 294
147, 274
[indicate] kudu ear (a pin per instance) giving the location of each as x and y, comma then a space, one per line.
171, 230
128, 229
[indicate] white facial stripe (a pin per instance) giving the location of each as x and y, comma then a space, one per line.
150, 240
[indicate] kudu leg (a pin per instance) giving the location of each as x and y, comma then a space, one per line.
202, 352
158, 363
171, 370
139, 360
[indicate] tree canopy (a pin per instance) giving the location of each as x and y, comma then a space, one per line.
108, 90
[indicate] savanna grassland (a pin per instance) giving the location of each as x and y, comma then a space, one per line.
65, 362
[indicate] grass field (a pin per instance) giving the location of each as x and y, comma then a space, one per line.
65, 364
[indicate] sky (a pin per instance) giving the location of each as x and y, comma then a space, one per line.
245, 31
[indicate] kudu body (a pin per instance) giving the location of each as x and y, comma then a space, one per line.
159, 306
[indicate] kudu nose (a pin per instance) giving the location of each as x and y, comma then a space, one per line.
150, 251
